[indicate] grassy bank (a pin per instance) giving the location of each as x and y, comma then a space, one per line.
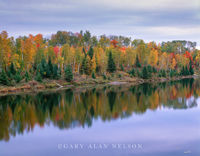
119, 78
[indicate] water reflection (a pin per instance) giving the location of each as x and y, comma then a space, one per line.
72, 108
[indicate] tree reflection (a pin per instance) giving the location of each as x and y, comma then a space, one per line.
72, 108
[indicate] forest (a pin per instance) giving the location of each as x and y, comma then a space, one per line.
66, 55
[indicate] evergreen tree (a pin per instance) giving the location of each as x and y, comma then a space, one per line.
18, 77
56, 72
182, 72
68, 73
38, 77
86, 66
122, 67
27, 77
4, 78
91, 52
12, 69
104, 76
132, 72
191, 70
93, 75
162, 73
149, 68
137, 62
145, 73
83, 66
111, 64
49, 71
43, 70
187, 71
84, 52
172, 73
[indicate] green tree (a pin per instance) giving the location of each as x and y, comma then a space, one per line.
145, 73
191, 70
68, 73
91, 52
49, 72
132, 72
12, 69
56, 72
137, 62
4, 78
27, 77
111, 64
93, 75
38, 77
18, 77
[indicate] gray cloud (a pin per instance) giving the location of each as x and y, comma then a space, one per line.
148, 19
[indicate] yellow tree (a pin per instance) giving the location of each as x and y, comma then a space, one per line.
28, 51
5, 50
197, 59
153, 57
101, 59
164, 61
130, 56
66, 54
78, 58
173, 64
93, 63
51, 55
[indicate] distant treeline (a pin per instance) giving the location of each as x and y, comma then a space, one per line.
66, 53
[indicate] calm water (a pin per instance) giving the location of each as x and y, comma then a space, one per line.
147, 119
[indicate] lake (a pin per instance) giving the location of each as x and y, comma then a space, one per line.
147, 119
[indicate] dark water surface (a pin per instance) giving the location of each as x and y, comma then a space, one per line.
153, 120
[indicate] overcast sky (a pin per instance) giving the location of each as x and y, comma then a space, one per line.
157, 20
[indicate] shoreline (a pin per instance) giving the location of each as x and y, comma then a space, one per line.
55, 85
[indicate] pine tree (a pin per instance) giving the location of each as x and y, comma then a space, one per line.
191, 70
86, 66
12, 69
68, 73
38, 77
43, 70
27, 77
137, 62
132, 72
182, 72
122, 67
91, 52
49, 72
55, 71
145, 73
83, 66
93, 75
111, 64
4, 78
18, 77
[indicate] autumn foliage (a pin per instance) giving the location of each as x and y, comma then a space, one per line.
87, 54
